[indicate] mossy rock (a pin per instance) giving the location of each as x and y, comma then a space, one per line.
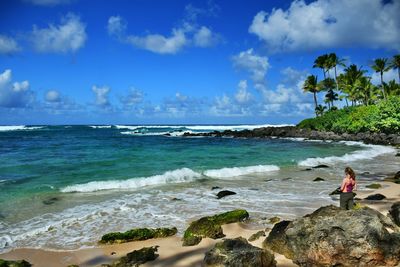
137, 235
357, 206
21, 263
211, 226
374, 186
256, 236
136, 257
274, 220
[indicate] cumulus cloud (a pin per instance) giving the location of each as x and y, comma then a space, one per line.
8, 45
204, 37
14, 95
101, 96
180, 37
68, 36
52, 96
326, 24
182, 105
134, 97
242, 96
254, 64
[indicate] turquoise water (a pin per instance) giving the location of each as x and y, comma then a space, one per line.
60, 175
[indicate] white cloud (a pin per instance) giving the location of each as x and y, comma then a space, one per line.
256, 65
14, 95
326, 23
69, 36
387, 77
180, 37
8, 45
52, 96
158, 43
101, 94
204, 37
134, 97
242, 96
116, 26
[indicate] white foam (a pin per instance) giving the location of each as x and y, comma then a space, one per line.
369, 152
238, 171
173, 133
100, 126
176, 176
18, 128
200, 128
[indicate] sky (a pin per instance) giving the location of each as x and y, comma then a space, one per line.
178, 61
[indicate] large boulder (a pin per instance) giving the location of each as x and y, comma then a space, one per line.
331, 236
21, 263
137, 234
210, 226
238, 252
395, 213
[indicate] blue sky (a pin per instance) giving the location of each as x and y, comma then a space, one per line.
162, 62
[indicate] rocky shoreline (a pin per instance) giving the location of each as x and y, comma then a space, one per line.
295, 132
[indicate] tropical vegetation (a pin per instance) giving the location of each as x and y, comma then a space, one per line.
366, 107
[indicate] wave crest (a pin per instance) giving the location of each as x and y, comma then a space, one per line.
238, 171
176, 176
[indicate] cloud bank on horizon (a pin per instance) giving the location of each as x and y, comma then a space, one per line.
211, 63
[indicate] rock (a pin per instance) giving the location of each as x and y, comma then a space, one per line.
176, 199
397, 175
238, 252
256, 236
374, 186
318, 179
211, 226
50, 200
395, 213
274, 220
225, 193
113, 253
136, 257
73, 265
137, 234
287, 179
336, 192
331, 236
21, 263
320, 166
215, 187
307, 169
375, 197
398, 154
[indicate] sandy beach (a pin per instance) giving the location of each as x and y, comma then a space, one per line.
171, 252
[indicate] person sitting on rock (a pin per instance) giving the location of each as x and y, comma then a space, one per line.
348, 186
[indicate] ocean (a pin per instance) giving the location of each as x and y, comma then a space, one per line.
63, 187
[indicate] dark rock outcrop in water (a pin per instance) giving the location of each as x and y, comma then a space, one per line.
321, 166
136, 257
293, 131
238, 252
318, 179
375, 197
211, 226
395, 213
331, 236
225, 193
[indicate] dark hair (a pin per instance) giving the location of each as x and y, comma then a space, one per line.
350, 172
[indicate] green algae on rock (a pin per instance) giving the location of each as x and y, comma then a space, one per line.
374, 186
210, 226
21, 263
137, 234
135, 258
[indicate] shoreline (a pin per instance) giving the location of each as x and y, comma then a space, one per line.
171, 252
295, 132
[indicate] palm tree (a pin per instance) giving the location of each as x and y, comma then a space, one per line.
381, 65
348, 79
334, 61
311, 85
329, 85
319, 110
322, 63
364, 90
396, 64
392, 88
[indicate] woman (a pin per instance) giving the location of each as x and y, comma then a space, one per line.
348, 185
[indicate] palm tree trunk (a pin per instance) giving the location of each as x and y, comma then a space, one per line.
347, 103
315, 102
337, 84
383, 89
